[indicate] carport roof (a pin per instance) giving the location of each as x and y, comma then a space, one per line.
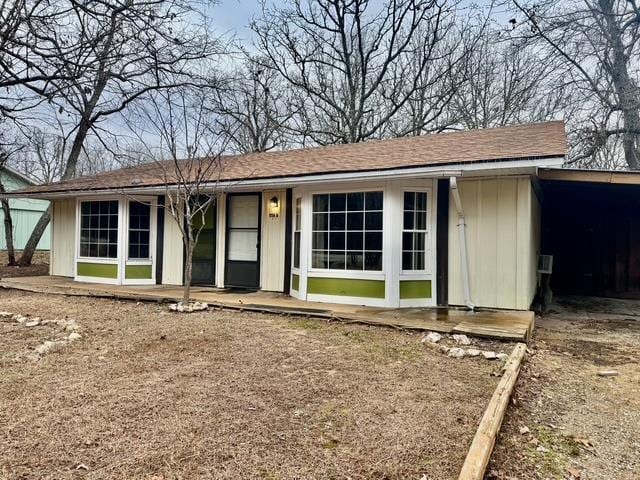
620, 177
514, 143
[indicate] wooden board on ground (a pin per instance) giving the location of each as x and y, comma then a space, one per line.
483, 442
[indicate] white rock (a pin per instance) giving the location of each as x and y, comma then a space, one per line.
432, 337
20, 318
32, 323
608, 373
524, 430
489, 355
462, 339
49, 346
542, 449
191, 307
473, 352
70, 325
456, 352
74, 336
502, 356
6, 314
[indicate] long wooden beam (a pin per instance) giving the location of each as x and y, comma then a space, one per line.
483, 442
594, 176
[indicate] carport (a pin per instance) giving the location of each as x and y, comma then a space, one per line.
591, 226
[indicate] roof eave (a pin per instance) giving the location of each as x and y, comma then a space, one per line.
499, 167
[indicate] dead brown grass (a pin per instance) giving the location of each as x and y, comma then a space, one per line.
39, 265
147, 394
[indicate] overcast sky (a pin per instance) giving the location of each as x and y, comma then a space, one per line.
233, 16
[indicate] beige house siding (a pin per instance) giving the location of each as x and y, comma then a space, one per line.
63, 238
502, 218
272, 243
173, 251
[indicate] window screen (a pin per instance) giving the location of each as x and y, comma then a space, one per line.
296, 234
99, 229
139, 228
414, 233
347, 231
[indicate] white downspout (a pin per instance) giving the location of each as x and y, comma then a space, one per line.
464, 260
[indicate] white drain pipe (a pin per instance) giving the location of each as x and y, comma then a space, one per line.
464, 260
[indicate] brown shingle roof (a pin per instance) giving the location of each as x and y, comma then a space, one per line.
536, 140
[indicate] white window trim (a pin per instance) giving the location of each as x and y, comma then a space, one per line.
391, 273
79, 202
296, 270
151, 261
122, 259
428, 248
341, 273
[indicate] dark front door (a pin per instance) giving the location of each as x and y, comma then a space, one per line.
204, 253
243, 240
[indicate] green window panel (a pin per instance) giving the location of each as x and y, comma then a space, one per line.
101, 270
295, 282
138, 272
415, 289
346, 287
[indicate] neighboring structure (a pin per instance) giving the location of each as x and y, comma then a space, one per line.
446, 219
25, 212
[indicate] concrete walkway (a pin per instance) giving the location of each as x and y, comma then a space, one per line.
497, 324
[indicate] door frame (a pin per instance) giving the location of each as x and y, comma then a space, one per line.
258, 239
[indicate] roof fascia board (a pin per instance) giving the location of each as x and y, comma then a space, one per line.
458, 170
591, 176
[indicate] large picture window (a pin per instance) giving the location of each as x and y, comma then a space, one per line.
139, 228
347, 231
414, 233
99, 229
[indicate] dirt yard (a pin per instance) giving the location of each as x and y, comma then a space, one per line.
39, 266
581, 425
149, 394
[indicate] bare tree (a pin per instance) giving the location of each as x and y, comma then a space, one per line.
122, 50
347, 64
253, 109
37, 52
429, 108
186, 160
598, 42
8, 148
508, 82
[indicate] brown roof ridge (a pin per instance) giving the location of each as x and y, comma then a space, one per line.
316, 148
378, 141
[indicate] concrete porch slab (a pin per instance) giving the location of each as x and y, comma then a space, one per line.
496, 324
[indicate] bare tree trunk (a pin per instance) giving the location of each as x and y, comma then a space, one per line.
8, 229
188, 268
69, 172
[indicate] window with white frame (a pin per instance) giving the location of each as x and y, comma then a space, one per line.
99, 229
414, 232
139, 230
347, 231
296, 234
